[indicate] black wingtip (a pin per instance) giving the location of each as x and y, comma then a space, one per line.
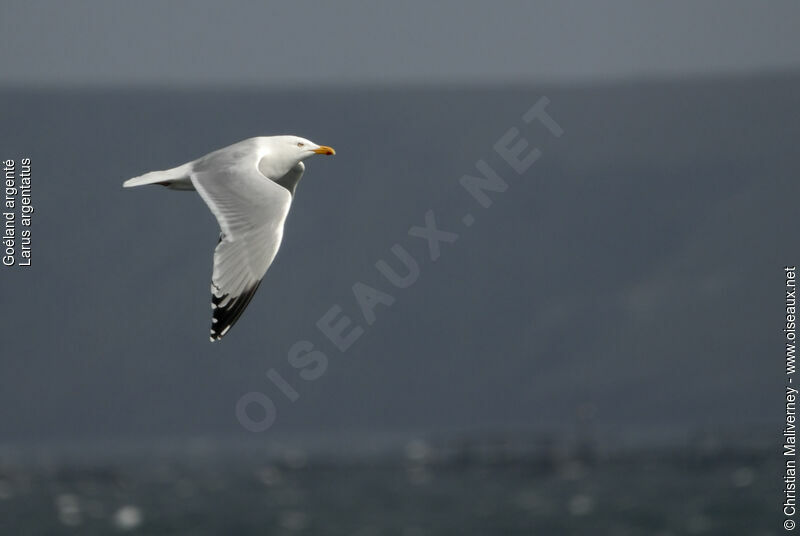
225, 316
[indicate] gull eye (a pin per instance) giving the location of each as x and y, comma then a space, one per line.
300, 144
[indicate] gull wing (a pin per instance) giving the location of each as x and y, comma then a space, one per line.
251, 210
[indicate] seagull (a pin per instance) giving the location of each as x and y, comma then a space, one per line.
249, 188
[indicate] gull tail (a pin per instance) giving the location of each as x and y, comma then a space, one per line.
176, 178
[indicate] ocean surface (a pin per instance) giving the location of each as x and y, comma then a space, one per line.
480, 488
629, 285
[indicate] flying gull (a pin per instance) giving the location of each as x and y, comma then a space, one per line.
249, 188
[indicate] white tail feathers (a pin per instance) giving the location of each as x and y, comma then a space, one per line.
177, 178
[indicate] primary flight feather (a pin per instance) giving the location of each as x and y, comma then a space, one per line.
249, 188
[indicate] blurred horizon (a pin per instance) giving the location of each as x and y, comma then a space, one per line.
653, 79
